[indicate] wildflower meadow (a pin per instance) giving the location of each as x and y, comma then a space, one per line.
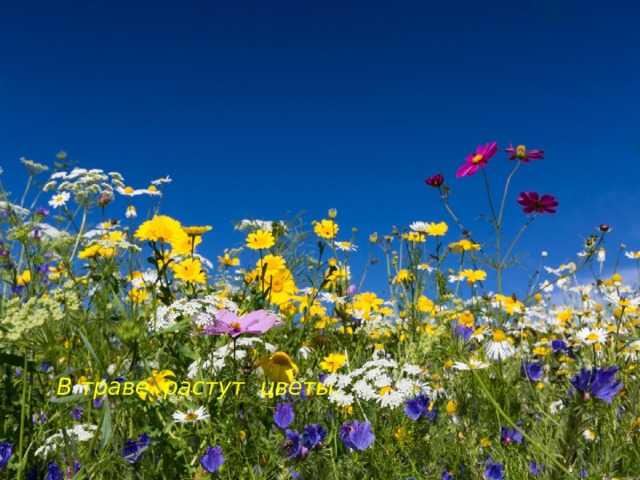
127, 354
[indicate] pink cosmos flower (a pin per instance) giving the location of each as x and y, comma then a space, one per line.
435, 181
228, 322
476, 160
534, 203
524, 155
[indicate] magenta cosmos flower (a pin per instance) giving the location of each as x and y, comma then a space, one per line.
476, 160
532, 202
228, 322
435, 181
524, 155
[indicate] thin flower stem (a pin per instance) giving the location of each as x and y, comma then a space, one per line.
506, 189
513, 425
493, 211
515, 240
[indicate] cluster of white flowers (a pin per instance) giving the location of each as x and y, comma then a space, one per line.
374, 381
199, 310
215, 361
80, 432
249, 225
87, 186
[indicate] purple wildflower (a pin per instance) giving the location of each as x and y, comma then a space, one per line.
559, 345
493, 470
598, 382
510, 435
446, 475
292, 443
532, 371
536, 468
283, 416
212, 459
54, 472
420, 406
134, 448
524, 155
356, 435
5, 454
313, 435
76, 413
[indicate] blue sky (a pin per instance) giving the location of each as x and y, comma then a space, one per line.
266, 109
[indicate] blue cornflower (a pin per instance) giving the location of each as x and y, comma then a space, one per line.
283, 416
511, 435
420, 406
134, 448
5, 454
532, 371
356, 435
598, 382
313, 435
54, 472
292, 443
493, 470
45, 366
212, 459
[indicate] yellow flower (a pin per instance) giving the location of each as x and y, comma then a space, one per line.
333, 362
452, 407
227, 261
270, 264
473, 276
24, 278
402, 276
157, 385
137, 295
189, 270
416, 237
279, 367
436, 229
280, 286
326, 229
464, 245
196, 231
260, 239
184, 244
466, 319
160, 228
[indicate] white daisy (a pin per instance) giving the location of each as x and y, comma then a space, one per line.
633, 255
419, 226
59, 199
346, 246
499, 348
589, 336
131, 212
191, 415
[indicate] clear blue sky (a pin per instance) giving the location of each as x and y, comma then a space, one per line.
263, 108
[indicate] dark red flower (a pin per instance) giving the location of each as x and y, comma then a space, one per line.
532, 202
524, 155
435, 181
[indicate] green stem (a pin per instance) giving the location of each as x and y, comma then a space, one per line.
506, 189
513, 425
22, 415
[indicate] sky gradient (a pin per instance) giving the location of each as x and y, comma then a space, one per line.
267, 109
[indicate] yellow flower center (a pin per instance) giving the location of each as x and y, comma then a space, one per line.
190, 417
477, 158
499, 336
592, 337
128, 190
152, 188
277, 285
236, 326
